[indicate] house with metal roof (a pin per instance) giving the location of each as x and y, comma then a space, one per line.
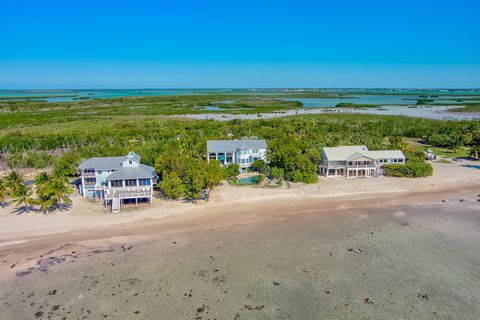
241, 152
356, 161
117, 180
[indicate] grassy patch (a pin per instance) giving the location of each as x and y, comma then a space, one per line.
462, 152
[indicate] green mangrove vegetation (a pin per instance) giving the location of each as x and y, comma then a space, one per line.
40, 135
350, 105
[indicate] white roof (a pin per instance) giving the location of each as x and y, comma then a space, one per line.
346, 153
232, 145
386, 154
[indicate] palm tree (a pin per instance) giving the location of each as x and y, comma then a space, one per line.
3, 192
13, 181
23, 197
59, 191
44, 202
40, 182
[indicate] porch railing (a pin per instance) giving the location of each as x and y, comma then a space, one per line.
87, 174
125, 193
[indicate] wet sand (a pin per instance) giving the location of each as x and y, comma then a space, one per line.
427, 112
411, 253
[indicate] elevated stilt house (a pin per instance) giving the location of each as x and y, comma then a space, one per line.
117, 180
356, 161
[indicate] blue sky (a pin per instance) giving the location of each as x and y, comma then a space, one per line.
132, 44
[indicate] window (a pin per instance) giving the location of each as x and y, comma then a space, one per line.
131, 183
99, 172
144, 182
117, 183
89, 181
129, 161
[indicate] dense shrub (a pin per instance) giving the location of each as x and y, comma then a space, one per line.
475, 149
259, 166
66, 165
30, 159
411, 169
232, 170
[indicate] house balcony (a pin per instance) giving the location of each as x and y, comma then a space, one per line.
87, 174
89, 184
128, 192
333, 166
361, 166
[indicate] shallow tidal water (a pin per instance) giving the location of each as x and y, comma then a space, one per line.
409, 262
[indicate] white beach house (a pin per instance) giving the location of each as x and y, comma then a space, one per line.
117, 180
356, 161
241, 152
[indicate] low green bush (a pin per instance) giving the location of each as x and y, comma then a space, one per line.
411, 169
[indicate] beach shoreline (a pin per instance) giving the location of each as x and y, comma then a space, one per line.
24, 236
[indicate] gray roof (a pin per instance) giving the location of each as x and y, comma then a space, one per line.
107, 163
141, 172
232, 145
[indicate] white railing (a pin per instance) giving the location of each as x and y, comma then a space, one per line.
128, 195
361, 166
88, 174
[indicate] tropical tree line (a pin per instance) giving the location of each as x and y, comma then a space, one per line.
183, 173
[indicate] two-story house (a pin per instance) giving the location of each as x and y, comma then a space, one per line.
241, 152
117, 180
356, 161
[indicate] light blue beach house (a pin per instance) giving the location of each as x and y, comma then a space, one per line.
117, 180
241, 152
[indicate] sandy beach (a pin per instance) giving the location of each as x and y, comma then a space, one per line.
379, 248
